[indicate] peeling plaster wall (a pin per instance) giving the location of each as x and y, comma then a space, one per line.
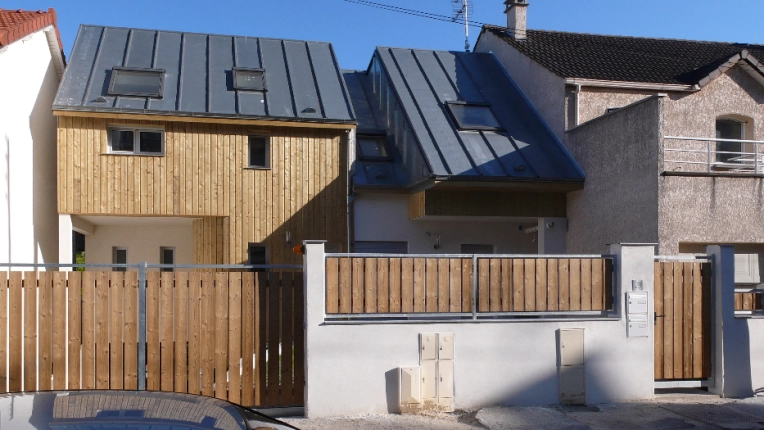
707, 209
619, 155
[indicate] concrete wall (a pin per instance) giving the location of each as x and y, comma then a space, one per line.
141, 240
28, 215
385, 217
352, 369
712, 209
618, 153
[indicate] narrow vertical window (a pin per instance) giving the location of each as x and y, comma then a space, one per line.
259, 152
727, 151
119, 256
166, 256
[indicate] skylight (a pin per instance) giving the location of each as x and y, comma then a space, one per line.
127, 81
469, 116
373, 148
249, 79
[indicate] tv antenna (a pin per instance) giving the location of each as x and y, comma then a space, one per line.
462, 9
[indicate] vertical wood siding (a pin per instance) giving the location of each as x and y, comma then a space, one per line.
204, 174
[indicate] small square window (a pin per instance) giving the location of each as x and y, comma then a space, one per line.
136, 141
166, 256
136, 82
119, 256
256, 255
473, 116
249, 79
122, 140
259, 153
373, 148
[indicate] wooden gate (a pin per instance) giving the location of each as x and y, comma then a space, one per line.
682, 320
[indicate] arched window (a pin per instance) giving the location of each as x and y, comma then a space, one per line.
729, 128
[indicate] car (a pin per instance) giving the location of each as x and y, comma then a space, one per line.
99, 409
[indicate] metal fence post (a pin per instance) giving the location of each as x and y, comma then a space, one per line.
474, 286
142, 326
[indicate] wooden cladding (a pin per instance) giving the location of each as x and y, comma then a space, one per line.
682, 320
216, 334
751, 301
204, 173
444, 285
471, 202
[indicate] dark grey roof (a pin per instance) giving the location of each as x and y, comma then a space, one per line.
424, 81
198, 81
620, 58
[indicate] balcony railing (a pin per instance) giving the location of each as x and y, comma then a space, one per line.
708, 155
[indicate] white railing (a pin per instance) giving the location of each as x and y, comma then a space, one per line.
697, 154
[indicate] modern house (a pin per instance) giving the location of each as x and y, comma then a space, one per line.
181, 148
452, 158
668, 132
31, 66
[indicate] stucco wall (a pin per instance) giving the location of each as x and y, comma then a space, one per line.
619, 156
544, 89
28, 215
594, 102
142, 242
385, 217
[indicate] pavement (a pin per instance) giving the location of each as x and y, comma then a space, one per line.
685, 409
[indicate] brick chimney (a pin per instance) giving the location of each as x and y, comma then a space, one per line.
516, 12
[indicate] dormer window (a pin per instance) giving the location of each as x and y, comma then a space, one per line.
473, 116
373, 148
249, 79
127, 81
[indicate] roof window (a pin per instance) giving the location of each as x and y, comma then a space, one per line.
373, 148
473, 116
126, 81
249, 79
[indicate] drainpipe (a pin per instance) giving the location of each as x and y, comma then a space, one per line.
348, 186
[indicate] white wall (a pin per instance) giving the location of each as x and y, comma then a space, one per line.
351, 369
385, 217
142, 242
28, 214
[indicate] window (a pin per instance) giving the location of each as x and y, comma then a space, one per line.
259, 152
249, 79
378, 247
127, 81
468, 248
729, 151
136, 141
256, 255
373, 148
470, 116
119, 256
166, 256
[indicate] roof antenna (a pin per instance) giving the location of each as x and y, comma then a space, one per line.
462, 9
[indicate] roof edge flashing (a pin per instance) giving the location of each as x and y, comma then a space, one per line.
631, 85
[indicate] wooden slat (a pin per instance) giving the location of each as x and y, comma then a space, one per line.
274, 338
552, 284
563, 276
518, 285
598, 293
221, 335
286, 376
407, 285
687, 323
705, 270
678, 320
659, 320
153, 364
234, 337
541, 287
370, 284
431, 285
45, 330
207, 336
443, 285
395, 285
358, 287
419, 281
455, 285
299, 342
346, 283
575, 283
668, 327
506, 284
194, 331
484, 278
529, 288
467, 298
15, 324
166, 347
494, 285
181, 312
383, 285
3, 332
102, 330
131, 331
697, 322
586, 284
332, 285
76, 347
249, 326
261, 290
116, 325
30, 331
739, 301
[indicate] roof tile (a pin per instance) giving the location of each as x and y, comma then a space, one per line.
19, 23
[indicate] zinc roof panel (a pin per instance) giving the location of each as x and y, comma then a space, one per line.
279, 94
220, 92
193, 74
302, 80
333, 96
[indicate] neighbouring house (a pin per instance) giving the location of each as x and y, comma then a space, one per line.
180, 148
31, 65
669, 133
452, 158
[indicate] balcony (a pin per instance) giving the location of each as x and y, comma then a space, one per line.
694, 156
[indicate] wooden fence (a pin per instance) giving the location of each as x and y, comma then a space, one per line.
232, 335
445, 285
749, 301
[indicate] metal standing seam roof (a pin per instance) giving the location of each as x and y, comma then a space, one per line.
424, 81
303, 78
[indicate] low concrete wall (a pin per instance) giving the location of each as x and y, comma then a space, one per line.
352, 369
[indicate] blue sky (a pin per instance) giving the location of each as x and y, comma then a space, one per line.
355, 30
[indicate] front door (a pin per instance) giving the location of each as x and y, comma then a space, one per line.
682, 320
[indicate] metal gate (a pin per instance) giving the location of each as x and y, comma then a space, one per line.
682, 320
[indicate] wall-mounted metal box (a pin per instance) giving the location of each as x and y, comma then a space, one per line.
571, 347
637, 325
636, 302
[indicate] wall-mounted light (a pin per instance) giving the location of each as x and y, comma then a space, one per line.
437, 242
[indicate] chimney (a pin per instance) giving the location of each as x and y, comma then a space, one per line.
516, 13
